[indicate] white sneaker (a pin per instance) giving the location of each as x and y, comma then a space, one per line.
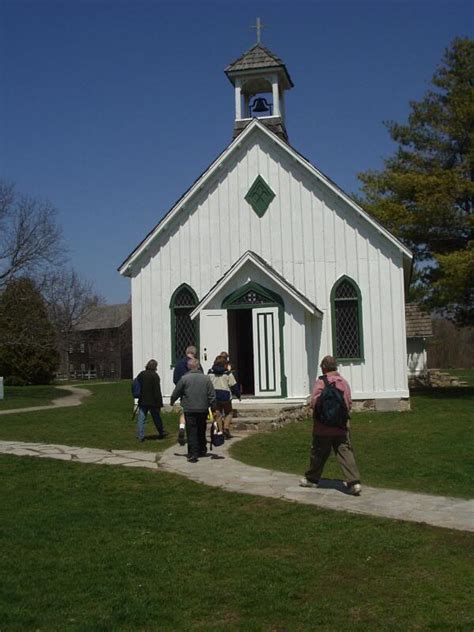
355, 489
305, 483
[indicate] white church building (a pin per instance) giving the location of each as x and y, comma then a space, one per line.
298, 270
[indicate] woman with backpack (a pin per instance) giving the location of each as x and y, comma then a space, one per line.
331, 403
225, 386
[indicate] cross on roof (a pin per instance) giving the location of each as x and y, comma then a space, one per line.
258, 27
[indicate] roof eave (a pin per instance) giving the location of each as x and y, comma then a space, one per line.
262, 265
233, 74
125, 268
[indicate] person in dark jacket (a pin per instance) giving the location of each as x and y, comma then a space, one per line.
150, 400
197, 395
182, 365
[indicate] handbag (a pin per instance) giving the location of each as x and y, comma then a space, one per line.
217, 436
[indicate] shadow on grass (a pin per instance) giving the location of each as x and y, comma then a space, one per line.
455, 392
155, 437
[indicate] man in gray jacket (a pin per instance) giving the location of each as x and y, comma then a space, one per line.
197, 395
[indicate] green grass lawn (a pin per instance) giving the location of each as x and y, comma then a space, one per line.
428, 449
25, 396
100, 549
102, 421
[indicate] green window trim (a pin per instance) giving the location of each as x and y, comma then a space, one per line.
269, 297
260, 196
173, 309
335, 302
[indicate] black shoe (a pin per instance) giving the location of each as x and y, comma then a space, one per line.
163, 435
181, 437
193, 459
141, 440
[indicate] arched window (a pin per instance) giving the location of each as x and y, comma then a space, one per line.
183, 329
346, 303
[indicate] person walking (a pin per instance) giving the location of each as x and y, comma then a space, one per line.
150, 400
179, 370
197, 395
331, 403
225, 386
182, 365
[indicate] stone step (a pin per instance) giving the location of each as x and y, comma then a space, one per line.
259, 419
439, 378
257, 412
256, 423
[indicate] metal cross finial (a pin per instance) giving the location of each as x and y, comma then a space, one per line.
258, 27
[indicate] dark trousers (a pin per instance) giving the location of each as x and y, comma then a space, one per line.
320, 451
196, 434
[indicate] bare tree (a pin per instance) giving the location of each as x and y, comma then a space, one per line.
69, 298
30, 237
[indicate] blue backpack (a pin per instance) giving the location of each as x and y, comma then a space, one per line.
136, 388
331, 408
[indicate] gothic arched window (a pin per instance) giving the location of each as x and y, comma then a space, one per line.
183, 329
346, 303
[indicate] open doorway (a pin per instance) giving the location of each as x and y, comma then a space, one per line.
241, 348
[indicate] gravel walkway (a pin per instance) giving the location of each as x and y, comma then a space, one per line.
74, 399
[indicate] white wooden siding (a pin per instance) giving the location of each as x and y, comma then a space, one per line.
310, 236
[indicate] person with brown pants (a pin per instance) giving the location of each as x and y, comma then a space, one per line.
327, 436
225, 386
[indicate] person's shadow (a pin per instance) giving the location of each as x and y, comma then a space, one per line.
154, 437
333, 483
209, 455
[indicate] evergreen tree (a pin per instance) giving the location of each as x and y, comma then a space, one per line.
425, 193
27, 338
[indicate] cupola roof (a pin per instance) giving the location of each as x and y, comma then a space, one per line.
258, 58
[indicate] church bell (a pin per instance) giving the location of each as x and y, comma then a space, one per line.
260, 105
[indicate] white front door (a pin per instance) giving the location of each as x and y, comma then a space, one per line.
266, 351
213, 335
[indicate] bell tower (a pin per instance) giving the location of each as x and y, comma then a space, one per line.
260, 79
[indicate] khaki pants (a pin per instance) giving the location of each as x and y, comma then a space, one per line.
320, 451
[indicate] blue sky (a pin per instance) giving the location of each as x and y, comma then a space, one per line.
111, 109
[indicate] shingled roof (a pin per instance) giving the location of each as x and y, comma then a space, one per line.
257, 57
104, 317
418, 323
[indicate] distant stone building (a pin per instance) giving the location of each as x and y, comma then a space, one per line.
419, 328
102, 344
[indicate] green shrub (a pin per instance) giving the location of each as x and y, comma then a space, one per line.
14, 380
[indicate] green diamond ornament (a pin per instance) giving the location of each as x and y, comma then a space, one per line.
259, 196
